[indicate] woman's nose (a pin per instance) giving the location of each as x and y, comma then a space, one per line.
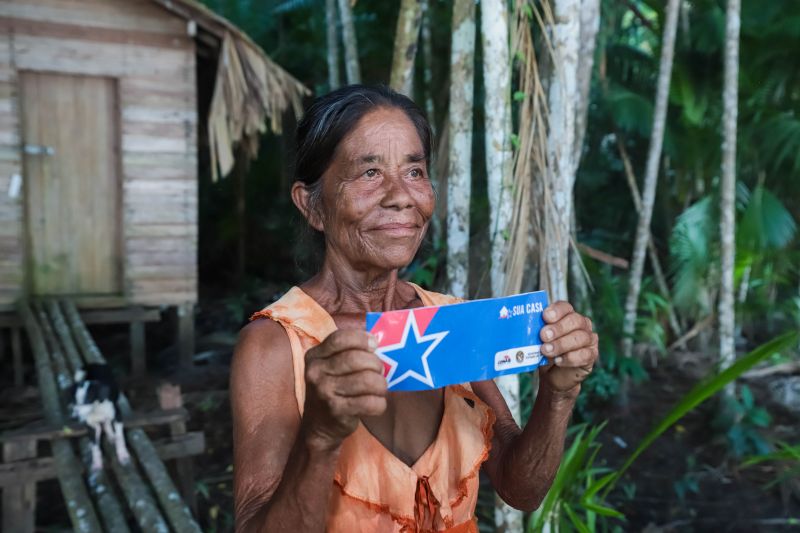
396, 193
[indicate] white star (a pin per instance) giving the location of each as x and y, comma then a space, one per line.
411, 323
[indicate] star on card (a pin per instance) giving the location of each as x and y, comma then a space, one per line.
414, 360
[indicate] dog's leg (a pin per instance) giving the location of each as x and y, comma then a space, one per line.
97, 454
119, 443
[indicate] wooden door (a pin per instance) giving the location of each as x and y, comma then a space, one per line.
71, 182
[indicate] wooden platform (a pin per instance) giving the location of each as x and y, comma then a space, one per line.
141, 494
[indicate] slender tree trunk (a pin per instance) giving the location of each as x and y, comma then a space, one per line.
497, 85
427, 56
651, 175
560, 177
333, 44
462, 70
652, 253
730, 95
590, 24
405, 46
350, 43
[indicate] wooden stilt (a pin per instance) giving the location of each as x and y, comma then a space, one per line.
169, 397
19, 501
16, 353
138, 348
185, 338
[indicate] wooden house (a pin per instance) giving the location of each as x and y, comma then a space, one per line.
104, 108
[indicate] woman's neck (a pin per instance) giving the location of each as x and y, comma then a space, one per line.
342, 289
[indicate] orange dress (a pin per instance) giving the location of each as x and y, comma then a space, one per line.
374, 491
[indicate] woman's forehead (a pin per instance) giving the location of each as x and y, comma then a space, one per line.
380, 133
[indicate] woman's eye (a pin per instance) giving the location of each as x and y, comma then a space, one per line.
415, 173
371, 173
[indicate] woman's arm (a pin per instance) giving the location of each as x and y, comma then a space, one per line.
284, 467
523, 462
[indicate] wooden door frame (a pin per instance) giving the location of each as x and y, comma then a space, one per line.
121, 295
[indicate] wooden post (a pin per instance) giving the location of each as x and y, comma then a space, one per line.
138, 349
19, 501
185, 338
169, 397
16, 352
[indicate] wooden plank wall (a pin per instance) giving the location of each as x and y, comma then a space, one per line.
11, 209
149, 52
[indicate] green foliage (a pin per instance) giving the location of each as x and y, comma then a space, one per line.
740, 419
786, 457
697, 395
689, 482
568, 504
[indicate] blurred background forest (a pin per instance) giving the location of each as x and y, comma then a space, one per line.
640, 158
696, 476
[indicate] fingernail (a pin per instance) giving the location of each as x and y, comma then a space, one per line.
548, 348
558, 360
549, 314
373, 342
548, 334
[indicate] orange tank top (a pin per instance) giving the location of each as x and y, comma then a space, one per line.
374, 491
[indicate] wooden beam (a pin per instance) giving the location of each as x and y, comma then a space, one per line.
26, 470
138, 349
185, 336
19, 501
79, 506
169, 397
74, 429
603, 257
16, 352
181, 446
120, 316
179, 514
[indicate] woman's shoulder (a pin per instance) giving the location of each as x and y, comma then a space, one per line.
434, 298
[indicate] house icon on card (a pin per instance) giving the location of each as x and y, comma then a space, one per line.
504, 312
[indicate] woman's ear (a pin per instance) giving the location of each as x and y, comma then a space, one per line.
301, 196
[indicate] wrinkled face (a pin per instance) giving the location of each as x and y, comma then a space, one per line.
376, 197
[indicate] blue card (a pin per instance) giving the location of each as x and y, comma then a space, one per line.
432, 347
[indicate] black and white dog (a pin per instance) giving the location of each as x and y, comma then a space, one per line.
94, 402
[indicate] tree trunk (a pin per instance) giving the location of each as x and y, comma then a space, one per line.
651, 175
590, 24
497, 82
350, 43
405, 46
462, 70
730, 95
560, 176
333, 44
427, 56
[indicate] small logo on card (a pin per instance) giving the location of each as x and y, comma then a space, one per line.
518, 357
504, 312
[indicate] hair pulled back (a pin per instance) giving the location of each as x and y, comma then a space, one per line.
332, 116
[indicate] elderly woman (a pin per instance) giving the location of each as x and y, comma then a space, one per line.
319, 443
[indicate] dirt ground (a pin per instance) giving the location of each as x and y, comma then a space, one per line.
727, 498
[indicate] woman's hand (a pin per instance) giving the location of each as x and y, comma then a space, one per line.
344, 382
570, 346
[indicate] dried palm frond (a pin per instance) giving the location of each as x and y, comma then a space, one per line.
249, 90
530, 157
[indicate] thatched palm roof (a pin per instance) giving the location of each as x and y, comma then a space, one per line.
250, 90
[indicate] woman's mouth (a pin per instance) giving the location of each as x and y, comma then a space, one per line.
398, 229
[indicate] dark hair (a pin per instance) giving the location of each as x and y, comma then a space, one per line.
332, 116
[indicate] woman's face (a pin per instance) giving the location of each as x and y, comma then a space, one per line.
376, 198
